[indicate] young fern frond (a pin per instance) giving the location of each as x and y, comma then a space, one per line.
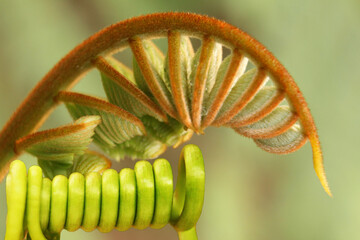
160, 102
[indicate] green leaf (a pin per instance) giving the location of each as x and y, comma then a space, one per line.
242, 83
123, 99
215, 61
260, 100
275, 120
90, 162
156, 60
139, 147
113, 128
121, 68
57, 148
54, 168
63, 143
186, 56
287, 142
168, 133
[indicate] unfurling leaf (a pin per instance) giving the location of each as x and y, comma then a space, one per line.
54, 168
139, 147
186, 57
262, 100
89, 162
215, 61
242, 83
61, 144
122, 97
113, 129
156, 60
169, 133
276, 123
290, 141
57, 148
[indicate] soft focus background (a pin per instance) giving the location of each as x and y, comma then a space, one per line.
250, 194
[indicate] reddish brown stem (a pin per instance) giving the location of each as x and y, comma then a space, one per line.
42, 136
99, 104
200, 81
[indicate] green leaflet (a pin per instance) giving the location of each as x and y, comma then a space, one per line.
65, 147
276, 119
112, 130
121, 68
215, 61
168, 133
284, 143
140, 147
156, 60
209, 98
242, 83
90, 162
167, 75
56, 154
54, 168
120, 97
140, 80
263, 96
186, 56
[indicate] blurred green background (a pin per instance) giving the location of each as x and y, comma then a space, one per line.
250, 194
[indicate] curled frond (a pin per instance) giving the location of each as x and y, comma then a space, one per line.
181, 92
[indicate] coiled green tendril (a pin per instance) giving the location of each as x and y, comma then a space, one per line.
137, 198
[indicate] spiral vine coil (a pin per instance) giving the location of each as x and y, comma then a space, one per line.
138, 198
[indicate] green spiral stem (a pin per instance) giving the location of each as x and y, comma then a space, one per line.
138, 198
